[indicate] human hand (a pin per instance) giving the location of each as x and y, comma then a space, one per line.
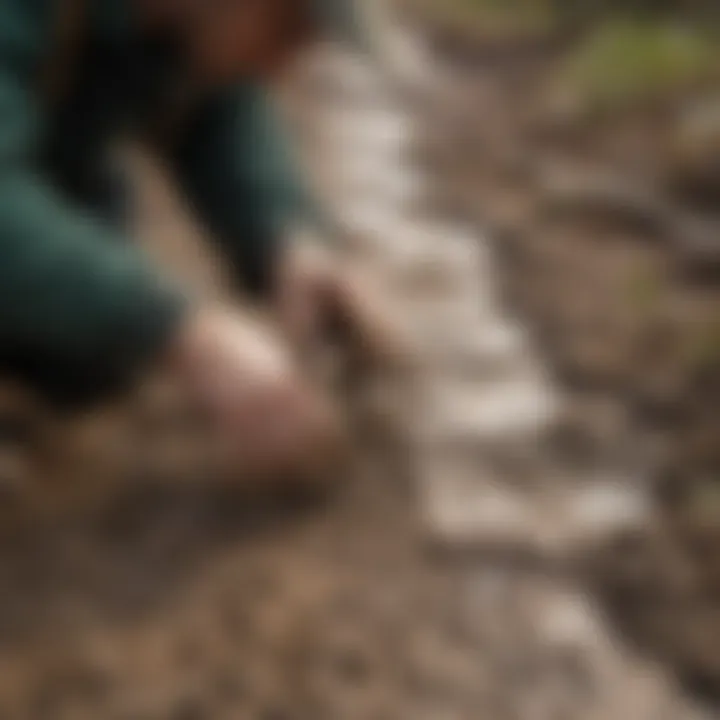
320, 293
267, 421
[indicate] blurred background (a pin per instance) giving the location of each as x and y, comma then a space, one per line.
531, 526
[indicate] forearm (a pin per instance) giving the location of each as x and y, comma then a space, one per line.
80, 310
236, 169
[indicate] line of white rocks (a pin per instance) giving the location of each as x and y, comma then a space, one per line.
482, 400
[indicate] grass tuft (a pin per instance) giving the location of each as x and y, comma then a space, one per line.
624, 62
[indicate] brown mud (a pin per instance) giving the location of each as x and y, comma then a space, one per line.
607, 231
184, 601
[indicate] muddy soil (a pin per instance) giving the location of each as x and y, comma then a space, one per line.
599, 224
132, 587
198, 604
184, 601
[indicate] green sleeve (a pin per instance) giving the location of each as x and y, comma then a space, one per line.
76, 303
238, 173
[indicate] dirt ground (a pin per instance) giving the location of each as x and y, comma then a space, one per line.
186, 602
608, 237
131, 588
202, 605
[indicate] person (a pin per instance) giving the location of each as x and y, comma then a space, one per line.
83, 313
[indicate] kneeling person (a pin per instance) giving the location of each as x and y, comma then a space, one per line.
82, 312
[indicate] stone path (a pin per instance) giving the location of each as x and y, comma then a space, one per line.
492, 497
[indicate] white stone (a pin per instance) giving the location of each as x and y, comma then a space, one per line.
393, 185
373, 167
464, 511
492, 339
459, 411
608, 506
376, 223
426, 324
374, 130
403, 53
567, 619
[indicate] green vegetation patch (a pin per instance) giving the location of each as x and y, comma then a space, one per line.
624, 62
645, 291
703, 350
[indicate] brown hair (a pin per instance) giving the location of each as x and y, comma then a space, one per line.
299, 25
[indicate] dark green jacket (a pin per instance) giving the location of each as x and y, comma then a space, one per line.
80, 307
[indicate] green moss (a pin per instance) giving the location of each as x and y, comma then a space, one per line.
645, 291
626, 61
703, 349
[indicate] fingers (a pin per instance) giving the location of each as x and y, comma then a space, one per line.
320, 295
366, 317
268, 422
